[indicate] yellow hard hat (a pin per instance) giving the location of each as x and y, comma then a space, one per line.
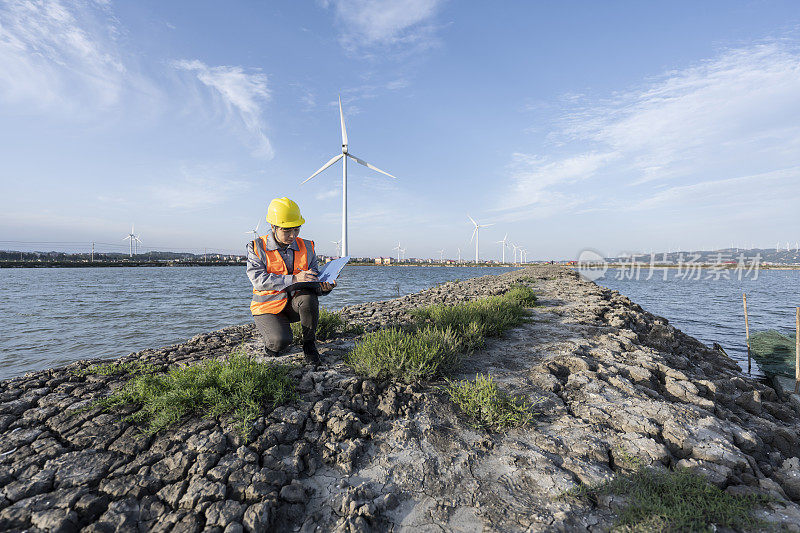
284, 213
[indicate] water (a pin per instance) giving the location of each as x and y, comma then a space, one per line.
53, 316
711, 309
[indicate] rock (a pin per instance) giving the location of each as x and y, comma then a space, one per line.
55, 520
293, 492
201, 490
751, 401
224, 513
121, 515
257, 517
80, 468
789, 478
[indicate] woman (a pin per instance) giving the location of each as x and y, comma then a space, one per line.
275, 262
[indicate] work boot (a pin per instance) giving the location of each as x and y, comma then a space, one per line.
270, 353
311, 354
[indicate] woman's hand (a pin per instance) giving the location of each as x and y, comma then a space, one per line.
327, 287
305, 275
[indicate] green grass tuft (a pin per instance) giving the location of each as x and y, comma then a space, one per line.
115, 369
330, 325
675, 500
393, 352
488, 406
439, 337
237, 385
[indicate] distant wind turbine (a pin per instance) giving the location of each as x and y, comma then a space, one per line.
504, 244
343, 156
459, 254
475, 235
398, 250
132, 237
515, 251
402, 253
255, 231
338, 247
441, 255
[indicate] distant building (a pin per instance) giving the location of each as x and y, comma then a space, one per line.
383, 260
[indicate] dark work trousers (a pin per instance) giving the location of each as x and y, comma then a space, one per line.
275, 329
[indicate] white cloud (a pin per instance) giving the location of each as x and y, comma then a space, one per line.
735, 115
242, 95
196, 188
63, 55
386, 24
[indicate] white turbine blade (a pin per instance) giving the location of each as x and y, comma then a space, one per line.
473, 234
486, 225
473, 220
505, 238
341, 117
326, 165
373, 167
257, 226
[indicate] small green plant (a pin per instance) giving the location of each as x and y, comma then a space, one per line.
675, 500
488, 406
237, 385
392, 352
115, 369
330, 325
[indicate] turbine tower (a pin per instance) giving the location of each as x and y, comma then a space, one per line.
441, 255
515, 251
459, 254
398, 250
403, 253
504, 243
475, 235
338, 246
343, 156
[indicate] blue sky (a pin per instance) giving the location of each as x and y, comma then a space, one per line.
617, 126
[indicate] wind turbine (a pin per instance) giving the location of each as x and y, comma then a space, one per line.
398, 250
475, 235
403, 253
523, 253
132, 238
343, 156
504, 242
459, 254
255, 231
515, 251
338, 247
441, 255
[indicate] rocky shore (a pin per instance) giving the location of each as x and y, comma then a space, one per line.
611, 382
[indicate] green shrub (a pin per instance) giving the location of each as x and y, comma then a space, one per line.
392, 352
439, 336
237, 385
676, 500
488, 406
330, 325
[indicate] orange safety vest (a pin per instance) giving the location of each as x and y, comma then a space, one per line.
273, 302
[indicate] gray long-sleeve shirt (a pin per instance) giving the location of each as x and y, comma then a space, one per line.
257, 266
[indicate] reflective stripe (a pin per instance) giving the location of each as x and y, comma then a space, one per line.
268, 296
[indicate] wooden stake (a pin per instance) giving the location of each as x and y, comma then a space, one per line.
746, 330
797, 350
